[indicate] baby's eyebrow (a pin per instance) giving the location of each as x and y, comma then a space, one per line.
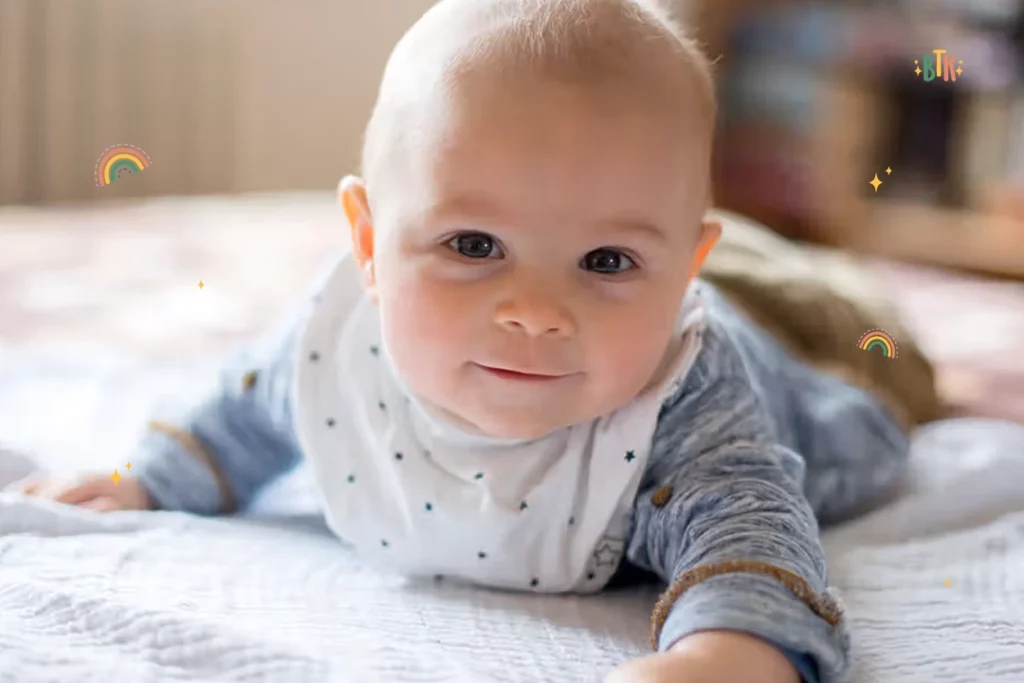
477, 207
640, 227
464, 206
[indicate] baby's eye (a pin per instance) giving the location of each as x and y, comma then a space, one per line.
607, 261
476, 245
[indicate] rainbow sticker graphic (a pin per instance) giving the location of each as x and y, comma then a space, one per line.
120, 160
878, 340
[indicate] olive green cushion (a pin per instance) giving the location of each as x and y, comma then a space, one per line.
819, 303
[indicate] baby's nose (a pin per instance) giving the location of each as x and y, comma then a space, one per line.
536, 316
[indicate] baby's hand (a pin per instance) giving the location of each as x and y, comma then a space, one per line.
710, 657
92, 491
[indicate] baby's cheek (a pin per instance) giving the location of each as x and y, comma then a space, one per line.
630, 349
423, 325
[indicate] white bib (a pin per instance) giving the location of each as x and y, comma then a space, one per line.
424, 498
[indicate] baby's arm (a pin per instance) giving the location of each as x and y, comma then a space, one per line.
233, 442
214, 460
722, 518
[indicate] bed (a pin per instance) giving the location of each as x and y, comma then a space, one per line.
103, 324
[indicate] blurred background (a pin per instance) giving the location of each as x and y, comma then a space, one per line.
251, 111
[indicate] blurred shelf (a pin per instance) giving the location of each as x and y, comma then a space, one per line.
817, 97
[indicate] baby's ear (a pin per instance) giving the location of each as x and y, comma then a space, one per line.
710, 232
352, 197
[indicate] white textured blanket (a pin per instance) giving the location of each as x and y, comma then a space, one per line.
933, 583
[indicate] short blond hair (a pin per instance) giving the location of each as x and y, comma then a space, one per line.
579, 41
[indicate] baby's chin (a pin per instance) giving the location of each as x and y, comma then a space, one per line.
523, 422
519, 427
532, 414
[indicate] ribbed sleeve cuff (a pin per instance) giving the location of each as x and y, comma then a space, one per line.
762, 606
174, 478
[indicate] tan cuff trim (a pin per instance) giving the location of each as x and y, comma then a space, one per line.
197, 451
827, 609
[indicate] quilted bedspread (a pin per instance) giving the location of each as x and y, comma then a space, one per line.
932, 582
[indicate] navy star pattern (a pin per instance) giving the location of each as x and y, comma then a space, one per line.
605, 555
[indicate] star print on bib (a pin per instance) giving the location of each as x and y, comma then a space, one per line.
417, 495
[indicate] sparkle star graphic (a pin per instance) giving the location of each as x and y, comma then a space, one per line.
116, 476
918, 69
201, 285
888, 171
875, 182
960, 69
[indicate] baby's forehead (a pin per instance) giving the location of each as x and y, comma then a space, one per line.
462, 47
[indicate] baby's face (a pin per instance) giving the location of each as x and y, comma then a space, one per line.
530, 260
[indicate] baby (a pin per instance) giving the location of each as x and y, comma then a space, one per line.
515, 379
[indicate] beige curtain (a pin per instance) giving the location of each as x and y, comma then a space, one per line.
79, 76
222, 95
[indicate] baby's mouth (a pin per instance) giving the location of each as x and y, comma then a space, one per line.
520, 375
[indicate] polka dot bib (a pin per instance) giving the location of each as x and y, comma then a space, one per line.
424, 498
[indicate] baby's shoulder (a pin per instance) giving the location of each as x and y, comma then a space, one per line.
730, 373
726, 341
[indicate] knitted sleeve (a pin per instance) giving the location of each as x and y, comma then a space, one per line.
233, 442
241, 435
722, 519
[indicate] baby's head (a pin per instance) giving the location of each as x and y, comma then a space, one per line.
536, 179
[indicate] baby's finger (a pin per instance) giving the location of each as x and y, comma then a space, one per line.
81, 492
